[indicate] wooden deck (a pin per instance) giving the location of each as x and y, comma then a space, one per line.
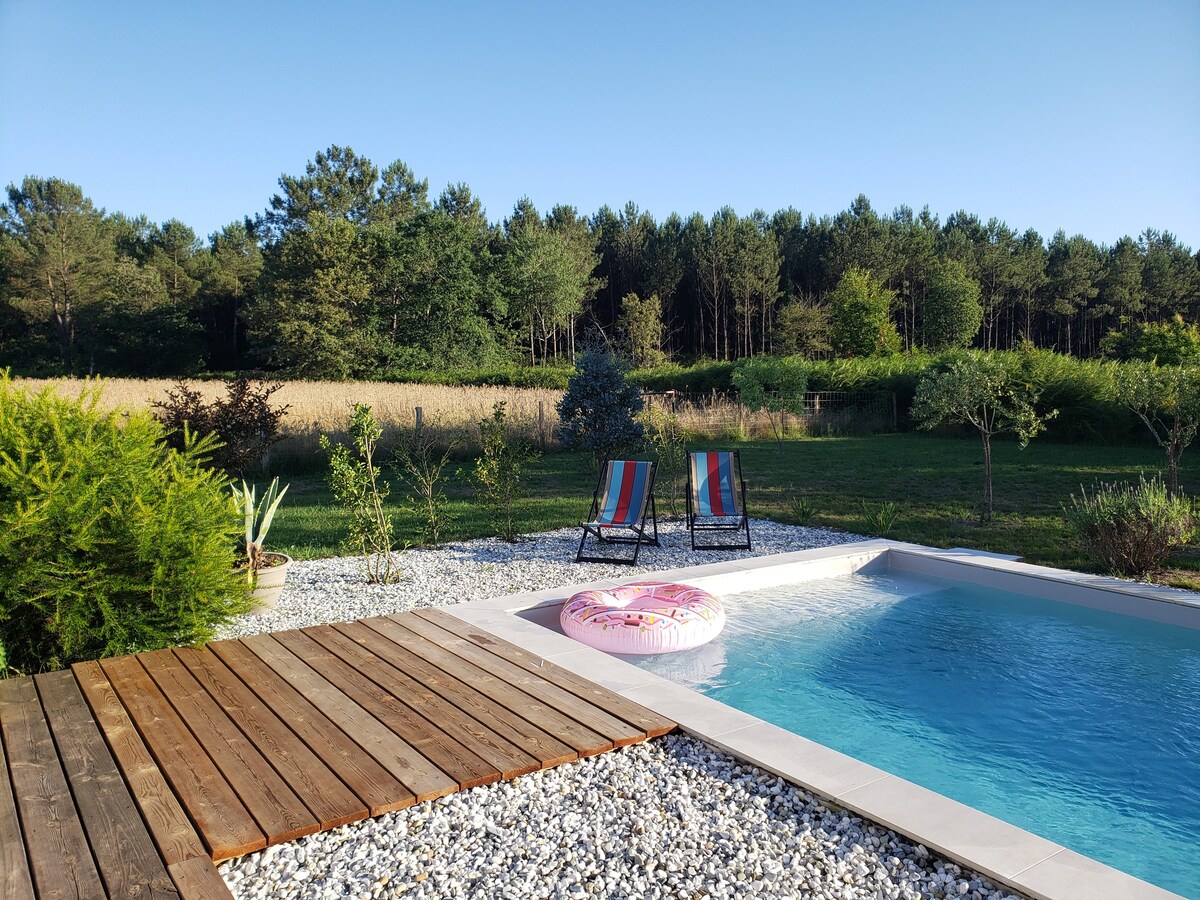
129, 777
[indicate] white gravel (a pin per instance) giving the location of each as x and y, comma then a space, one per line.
665, 819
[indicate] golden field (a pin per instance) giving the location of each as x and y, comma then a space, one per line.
323, 407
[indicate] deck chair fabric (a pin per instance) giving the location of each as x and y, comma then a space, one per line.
622, 505
716, 499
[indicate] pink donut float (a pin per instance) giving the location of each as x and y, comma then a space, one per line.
643, 617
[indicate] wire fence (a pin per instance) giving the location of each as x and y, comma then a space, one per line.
816, 413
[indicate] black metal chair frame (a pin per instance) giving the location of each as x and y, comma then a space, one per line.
649, 510
695, 521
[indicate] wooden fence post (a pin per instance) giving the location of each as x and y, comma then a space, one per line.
420, 417
542, 424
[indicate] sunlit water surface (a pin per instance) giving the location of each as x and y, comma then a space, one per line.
1078, 725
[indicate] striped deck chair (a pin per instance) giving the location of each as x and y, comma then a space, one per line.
621, 505
716, 499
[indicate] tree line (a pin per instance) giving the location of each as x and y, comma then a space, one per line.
355, 272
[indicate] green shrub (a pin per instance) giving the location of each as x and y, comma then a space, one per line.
110, 543
702, 378
355, 482
1130, 528
499, 471
880, 520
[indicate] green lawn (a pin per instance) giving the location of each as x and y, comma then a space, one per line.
937, 481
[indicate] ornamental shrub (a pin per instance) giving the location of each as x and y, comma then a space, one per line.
773, 384
110, 542
500, 471
1130, 528
597, 411
244, 422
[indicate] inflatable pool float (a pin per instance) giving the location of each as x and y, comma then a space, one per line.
643, 617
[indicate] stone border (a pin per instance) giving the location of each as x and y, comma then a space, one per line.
1005, 853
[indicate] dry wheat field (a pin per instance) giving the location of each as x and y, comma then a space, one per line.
323, 407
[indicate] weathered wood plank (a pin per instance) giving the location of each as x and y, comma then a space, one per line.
224, 824
60, 860
509, 759
274, 805
198, 879
15, 880
581, 739
418, 774
548, 750
635, 714
426, 738
322, 792
125, 854
172, 831
590, 715
371, 782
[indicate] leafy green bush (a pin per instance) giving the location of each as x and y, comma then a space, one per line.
1174, 343
356, 484
597, 411
1130, 528
499, 471
110, 543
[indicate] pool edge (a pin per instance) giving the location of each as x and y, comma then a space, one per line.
1009, 855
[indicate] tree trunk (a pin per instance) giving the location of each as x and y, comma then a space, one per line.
985, 513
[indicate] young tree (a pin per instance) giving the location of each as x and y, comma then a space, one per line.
952, 312
774, 385
860, 311
1167, 400
641, 321
981, 390
597, 411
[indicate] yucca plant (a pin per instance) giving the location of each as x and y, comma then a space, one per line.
258, 516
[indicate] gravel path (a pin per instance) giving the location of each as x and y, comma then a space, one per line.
665, 819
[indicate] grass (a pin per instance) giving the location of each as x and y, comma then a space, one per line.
935, 481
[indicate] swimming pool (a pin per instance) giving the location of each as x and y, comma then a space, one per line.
1078, 724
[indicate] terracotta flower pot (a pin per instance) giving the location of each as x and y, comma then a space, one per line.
268, 582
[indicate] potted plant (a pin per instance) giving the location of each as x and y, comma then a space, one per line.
266, 572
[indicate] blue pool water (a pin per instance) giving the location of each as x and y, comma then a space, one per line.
1078, 725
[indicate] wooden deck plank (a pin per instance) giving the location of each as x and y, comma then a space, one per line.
581, 739
323, 792
15, 879
60, 860
466, 768
370, 782
412, 769
280, 814
172, 831
198, 879
508, 759
223, 822
547, 749
635, 714
586, 713
125, 855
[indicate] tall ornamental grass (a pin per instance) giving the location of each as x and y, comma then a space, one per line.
1130, 528
110, 542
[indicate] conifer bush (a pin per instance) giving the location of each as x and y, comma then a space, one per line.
597, 411
110, 542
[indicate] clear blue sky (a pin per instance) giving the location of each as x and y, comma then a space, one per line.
1084, 116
